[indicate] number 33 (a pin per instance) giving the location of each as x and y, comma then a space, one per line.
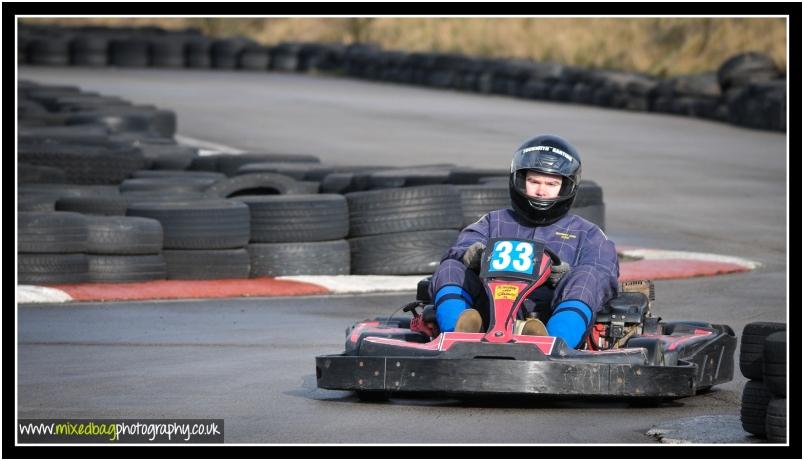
522, 260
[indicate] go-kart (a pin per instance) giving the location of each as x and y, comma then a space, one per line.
628, 353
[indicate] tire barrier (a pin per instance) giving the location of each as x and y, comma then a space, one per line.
255, 57
259, 184
297, 218
202, 232
763, 360
400, 253
389, 211
57, 232
85, 164
299, 258
201, 225
747, 89
207, 264
51, 248
400, 231
230, 164
123, 235
126, 203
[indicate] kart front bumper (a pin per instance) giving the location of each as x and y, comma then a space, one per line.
494, 376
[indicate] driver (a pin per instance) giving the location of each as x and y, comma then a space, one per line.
545, 173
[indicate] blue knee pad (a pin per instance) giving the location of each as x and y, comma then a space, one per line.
569, 321
450, 302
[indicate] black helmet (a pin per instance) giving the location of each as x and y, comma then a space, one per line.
545, 154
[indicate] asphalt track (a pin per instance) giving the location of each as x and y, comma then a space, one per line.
670, 182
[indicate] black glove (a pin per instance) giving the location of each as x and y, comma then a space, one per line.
471, 258
556, 272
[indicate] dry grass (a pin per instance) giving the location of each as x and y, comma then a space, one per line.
656, 46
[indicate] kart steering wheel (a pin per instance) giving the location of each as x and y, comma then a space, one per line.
553, 257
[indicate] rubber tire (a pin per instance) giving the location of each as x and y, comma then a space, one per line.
167, 52
49, 51
471, 176
207, 264
753, 409
589, 194
85, 164
132, 52
407, 177
478, 200
49, 269
36, 202
170, 184
256, 184
752, 347
254, 57
117, 268
168, 157
181, 174
228, 164
403, 253
295, 170
776, 421
743, 68
94, 205
201, 225
28, 174
595, 214
345, 182
404, 210
774, 371
299, 258
297, 218
51, 232
123, 235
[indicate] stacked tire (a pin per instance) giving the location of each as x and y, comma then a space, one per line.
154, 209
763, 360
124, 249
51, 248
402, 231
748, 89
202, 239
301, 234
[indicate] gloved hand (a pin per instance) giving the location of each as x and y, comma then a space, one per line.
556, 272
471, 258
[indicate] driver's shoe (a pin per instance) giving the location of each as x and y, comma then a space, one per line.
469, 322
530, 327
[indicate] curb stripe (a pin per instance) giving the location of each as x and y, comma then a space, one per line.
652, 254
355, 284
674, 269
36, 294
189, 289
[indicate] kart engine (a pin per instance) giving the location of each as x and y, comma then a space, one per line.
626, 315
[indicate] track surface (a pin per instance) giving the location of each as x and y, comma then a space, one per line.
669, 182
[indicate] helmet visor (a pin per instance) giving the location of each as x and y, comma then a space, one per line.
549, 160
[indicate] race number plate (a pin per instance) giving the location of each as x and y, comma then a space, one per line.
512, 258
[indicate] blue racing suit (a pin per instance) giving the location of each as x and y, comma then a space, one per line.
591, 281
